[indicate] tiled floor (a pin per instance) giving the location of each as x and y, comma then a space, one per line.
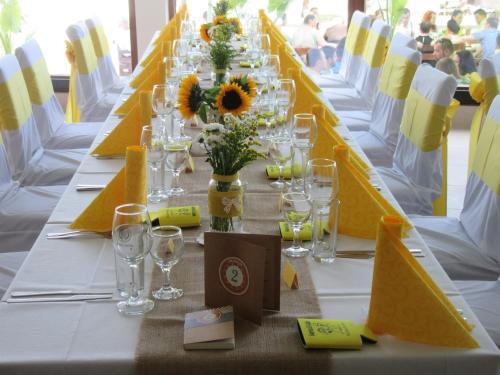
458, 151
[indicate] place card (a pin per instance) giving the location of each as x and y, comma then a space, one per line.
209, 329
243, 270
290, 276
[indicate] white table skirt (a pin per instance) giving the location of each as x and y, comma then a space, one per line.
91, 337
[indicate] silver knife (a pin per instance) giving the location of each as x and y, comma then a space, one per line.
84, 187
39, 293
88, 297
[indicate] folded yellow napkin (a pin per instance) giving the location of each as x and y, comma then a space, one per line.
145, 99
361, 205
146, 85
405, 301
126, 133
184, 216
128, 186
328, 137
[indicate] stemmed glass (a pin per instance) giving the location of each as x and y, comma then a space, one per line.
268, 110
172, 66
162, 102
285, 99
177, 156
154, 140
322, 185
176, 118
253, 57
304, 135
131, 232
281, 152
167, 249
297, 210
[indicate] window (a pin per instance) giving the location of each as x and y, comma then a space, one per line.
46, 21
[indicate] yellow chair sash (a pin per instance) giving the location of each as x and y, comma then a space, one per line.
38, 81
15, 105
356, 39
86, 61
487, 159
396, 76
375, 50
72, 109
99, 41
423, 121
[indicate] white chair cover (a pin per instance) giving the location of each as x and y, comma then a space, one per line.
469, 249
110, 80
364, 82
379, 142
416, 175
49, 117
94, 104
23, 210
483, 297
28, 162
350, 63
10, 263
361, 119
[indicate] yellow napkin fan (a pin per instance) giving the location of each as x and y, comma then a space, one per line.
361, 205
405, 302
128, 186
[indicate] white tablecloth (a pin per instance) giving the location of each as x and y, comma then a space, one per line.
91, 337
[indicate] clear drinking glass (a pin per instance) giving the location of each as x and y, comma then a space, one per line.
162, 102
155, 143
281, 152
131, 241
304, 135
285, 99
268, 110
167, 249
175, 162
297, 211
325, 225
253, 57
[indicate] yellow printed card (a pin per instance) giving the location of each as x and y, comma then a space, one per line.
329, 334
182, 216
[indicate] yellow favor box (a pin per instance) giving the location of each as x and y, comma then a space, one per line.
273, 171
329, 334
182, 216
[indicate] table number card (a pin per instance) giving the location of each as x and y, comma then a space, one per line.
243, 270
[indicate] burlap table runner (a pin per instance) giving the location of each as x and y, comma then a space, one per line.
274, 347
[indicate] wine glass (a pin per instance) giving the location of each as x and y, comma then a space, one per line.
304, 135
253, 57
162, 101
281, 152
175, 162
267, 108
297, 210
166, 250
176, 117
130, 233
285, 99
172, 65
154, 142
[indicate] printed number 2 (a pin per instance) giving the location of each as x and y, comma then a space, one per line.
235, 273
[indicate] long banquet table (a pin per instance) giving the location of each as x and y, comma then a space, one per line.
91, 337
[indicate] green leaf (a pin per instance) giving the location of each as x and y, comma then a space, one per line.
236, 3
203, 113
279, 6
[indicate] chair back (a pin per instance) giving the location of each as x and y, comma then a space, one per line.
423, 128
373, 58
395, 81
354, 45
402, 40
88, 79
17, 123
46, 108
481, 213
107, 71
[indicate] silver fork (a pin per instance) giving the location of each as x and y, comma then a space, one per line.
72, 234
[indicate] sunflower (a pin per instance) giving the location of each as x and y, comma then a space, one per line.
232, 99
189, 98
219, 19
204, 32
236, 24
246, 83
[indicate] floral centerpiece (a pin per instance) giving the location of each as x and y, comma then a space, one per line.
229, 149
232, 26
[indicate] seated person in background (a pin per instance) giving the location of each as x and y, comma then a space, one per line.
458, 17
335, 33
307, 35
447, 65
442, 48
465, 62
453, 30
487, 37
338, 55
430, 17
480, 16
316, 60
329, 53
424, 39
404, 25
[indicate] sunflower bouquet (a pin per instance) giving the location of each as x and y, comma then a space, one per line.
223, 25
229, 148
211, 105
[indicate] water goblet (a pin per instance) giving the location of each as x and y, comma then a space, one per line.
155, 143
304, 135
175, 162
166, 250
163, 102
297, 210
130, 232
281, 152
